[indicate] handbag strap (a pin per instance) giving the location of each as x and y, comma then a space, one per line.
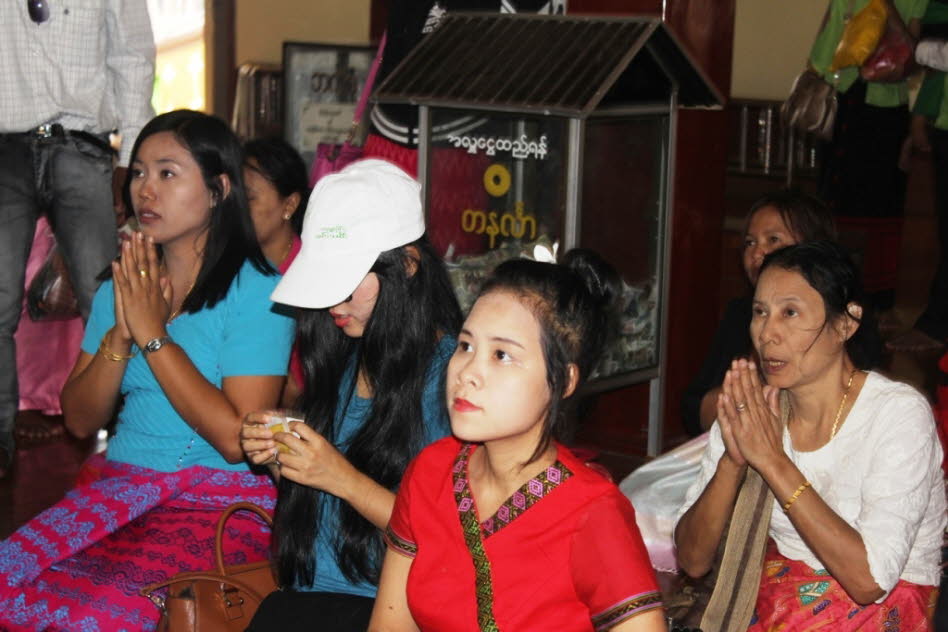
366, 93
369, 81
219, 537
735, 591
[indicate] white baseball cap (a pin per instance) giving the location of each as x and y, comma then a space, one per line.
352, 217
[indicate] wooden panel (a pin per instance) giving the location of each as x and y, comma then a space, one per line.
616, 421
700, 173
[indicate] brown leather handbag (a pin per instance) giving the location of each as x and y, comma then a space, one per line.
221, 600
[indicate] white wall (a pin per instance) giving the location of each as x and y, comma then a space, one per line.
263, 25
772, 39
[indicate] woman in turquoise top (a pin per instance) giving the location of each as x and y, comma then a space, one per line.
184, 338
375, 331
189, 338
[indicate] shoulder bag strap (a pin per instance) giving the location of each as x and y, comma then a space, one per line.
735, 592
366, 90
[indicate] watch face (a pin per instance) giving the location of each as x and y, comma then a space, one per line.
156, 344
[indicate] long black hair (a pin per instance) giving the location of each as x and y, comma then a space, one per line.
281, 165
231, 239
831, 272
574, 303
415, 307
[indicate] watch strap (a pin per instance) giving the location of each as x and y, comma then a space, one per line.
155, 344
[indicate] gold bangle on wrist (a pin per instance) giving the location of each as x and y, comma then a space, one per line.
796, 494
111, 355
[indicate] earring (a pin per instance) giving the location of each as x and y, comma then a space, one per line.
286, 217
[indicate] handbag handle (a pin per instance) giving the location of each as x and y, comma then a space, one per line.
147, 591
219, 537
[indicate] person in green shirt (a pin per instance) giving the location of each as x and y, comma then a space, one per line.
860, 177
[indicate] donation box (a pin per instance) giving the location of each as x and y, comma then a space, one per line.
537, 134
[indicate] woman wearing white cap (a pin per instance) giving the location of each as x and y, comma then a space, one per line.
375, 332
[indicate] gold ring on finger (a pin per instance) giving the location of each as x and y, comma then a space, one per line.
143, 273
741, 406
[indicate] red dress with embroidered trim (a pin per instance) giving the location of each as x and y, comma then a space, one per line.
563, 553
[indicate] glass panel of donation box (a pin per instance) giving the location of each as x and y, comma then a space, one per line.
623, 203
496, 190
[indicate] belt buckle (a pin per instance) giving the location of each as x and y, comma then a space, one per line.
49, 130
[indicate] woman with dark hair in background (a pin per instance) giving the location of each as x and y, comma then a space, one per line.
183, 331
278, 192
776, 220
849, 461
376, 327
500, 527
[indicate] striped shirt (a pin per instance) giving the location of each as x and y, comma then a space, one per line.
90, 67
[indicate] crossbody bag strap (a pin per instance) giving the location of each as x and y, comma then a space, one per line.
735, 592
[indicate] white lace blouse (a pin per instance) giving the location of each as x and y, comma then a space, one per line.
881, 474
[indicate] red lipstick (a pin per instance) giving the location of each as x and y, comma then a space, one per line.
464, 406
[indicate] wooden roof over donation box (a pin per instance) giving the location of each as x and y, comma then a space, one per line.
554, 65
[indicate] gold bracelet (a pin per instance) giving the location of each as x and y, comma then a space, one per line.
796, 494
111, 355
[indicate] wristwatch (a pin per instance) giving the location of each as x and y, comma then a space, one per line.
155, 344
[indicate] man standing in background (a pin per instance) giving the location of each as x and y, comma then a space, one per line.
72, 73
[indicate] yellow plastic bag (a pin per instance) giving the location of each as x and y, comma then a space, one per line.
861, 36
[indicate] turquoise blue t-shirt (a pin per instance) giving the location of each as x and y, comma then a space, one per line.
329, 577
241, 335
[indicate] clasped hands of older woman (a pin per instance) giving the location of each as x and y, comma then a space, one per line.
749, 416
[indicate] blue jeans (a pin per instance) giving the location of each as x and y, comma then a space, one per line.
70, 180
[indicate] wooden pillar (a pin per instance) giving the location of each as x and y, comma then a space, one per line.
220, 77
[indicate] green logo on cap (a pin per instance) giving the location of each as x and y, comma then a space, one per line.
331, 232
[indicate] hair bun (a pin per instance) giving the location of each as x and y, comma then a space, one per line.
599, 277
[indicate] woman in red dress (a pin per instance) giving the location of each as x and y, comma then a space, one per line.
499, 527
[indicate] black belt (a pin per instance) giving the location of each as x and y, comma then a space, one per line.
55, 130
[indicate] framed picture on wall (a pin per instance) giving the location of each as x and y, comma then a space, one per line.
322, 83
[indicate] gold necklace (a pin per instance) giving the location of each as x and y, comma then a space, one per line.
842, 404
286, 253
175, 313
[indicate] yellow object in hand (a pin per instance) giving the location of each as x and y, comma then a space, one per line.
280, 422
861, 36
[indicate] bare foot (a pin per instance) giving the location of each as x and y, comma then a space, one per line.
914, 341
